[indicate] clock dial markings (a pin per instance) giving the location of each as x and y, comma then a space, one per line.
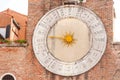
73, 11
79, 12
85, 16
51, 18
78, 68
60, 12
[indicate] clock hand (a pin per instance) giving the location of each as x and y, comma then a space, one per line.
57, 37
68, 39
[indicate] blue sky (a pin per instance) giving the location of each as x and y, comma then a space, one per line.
20, 6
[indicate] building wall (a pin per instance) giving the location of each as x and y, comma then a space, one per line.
5, 19
21, 60
13, 31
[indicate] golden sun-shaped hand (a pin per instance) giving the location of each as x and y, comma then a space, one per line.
67, 39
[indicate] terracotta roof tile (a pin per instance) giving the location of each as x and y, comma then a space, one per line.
20, 18
5, 17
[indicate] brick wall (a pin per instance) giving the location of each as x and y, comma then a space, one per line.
21, 60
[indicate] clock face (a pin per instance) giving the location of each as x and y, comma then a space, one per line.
69, 40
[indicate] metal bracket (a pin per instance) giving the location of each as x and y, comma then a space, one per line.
70, 2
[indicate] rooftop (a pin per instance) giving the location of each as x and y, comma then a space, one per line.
6, 15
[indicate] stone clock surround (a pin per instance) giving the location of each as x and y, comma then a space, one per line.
78, 65
98, 72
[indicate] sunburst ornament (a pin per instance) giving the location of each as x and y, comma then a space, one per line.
68, 39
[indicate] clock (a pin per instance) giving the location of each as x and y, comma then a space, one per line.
69, 40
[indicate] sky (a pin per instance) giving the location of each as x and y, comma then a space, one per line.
20, 6
116, 22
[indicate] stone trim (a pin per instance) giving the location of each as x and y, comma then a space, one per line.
8, 74
14, 45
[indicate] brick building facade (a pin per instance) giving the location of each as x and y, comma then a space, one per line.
14, 25
22, 62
